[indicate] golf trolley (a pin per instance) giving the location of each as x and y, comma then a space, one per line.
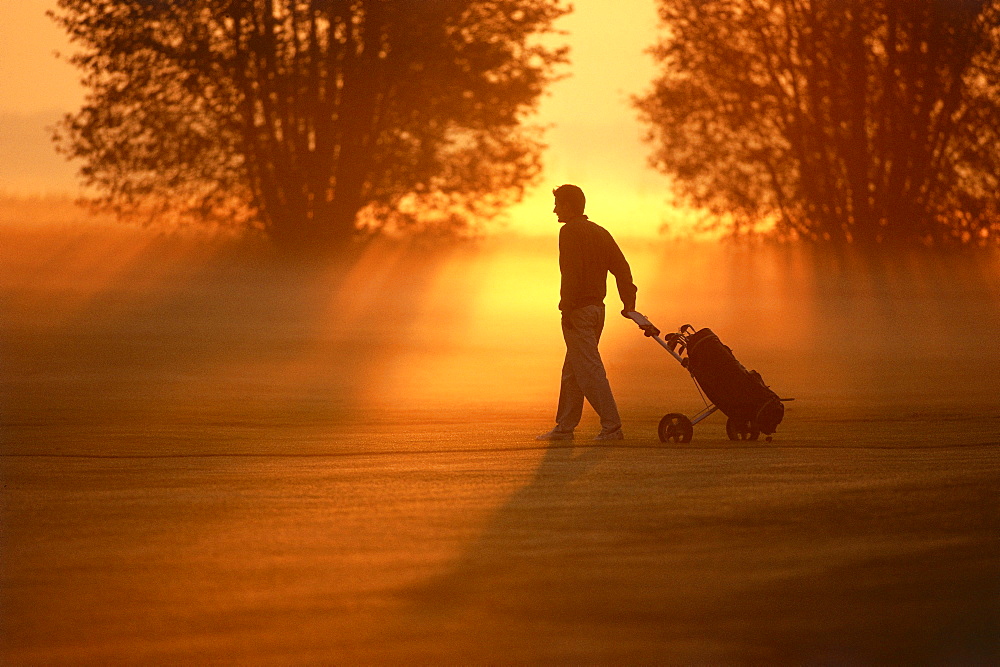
750, 406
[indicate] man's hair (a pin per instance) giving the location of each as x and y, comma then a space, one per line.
572, 195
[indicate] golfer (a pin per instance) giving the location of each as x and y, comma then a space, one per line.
586, 253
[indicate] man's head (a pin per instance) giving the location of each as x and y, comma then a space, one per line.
570, 202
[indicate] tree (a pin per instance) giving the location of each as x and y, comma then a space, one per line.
865, 121
309, 119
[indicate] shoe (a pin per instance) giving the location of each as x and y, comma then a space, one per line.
556, 435
613, 435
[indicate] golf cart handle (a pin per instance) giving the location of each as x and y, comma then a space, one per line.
648, 329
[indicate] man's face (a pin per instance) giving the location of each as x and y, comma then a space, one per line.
562, 211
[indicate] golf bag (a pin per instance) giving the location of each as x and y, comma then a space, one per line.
740, 394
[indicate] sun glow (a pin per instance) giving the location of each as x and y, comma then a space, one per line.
593, 136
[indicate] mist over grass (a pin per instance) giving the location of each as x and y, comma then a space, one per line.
418, 325
211, 454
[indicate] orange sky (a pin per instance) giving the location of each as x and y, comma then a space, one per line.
594, 140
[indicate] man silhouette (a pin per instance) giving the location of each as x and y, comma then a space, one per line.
586, 253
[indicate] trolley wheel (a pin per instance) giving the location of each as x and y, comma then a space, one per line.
741, 429
675, 427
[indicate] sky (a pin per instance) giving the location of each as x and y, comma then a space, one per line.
594, 137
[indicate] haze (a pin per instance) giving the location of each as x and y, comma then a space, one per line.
209, 457
211, 454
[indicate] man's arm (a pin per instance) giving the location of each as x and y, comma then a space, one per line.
619, 268
570, 268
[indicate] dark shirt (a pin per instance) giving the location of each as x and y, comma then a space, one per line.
586, 253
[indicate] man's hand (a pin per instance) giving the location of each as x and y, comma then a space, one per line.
647, 327
628, 309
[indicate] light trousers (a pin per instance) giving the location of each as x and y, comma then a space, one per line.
583, 374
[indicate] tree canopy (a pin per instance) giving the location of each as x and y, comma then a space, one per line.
309, 119
864, 121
